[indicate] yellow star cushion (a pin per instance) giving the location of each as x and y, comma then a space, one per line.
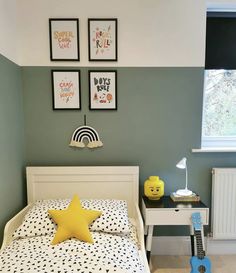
73, 222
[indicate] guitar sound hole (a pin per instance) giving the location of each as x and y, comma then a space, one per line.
202, 269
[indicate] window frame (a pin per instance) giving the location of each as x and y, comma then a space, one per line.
216, 142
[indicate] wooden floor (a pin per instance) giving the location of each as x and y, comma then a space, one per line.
180, 264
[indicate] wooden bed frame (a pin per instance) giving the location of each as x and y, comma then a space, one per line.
102, 182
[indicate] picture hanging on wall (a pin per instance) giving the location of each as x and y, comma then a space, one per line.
102, 38
66, 89
103, 90
64, 39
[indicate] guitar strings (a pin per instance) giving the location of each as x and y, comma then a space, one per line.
200, 251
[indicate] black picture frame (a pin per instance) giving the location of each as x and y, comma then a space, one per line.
102, 81
106, 48
68, 95
65, 45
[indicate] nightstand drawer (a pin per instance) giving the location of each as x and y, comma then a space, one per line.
173, 216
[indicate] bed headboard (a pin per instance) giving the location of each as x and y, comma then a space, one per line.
105, 182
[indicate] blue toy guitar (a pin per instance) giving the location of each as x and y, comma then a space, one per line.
199, 263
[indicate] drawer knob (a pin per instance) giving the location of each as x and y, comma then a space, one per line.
176, 210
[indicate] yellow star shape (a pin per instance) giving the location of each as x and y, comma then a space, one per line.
73, 222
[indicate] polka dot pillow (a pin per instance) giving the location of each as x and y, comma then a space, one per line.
37, 222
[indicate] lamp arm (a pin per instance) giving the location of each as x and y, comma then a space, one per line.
186, 184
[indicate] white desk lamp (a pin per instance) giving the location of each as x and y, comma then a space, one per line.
183, 165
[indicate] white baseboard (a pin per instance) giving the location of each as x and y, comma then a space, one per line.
180, 245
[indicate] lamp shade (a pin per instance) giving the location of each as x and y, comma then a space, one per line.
182, 163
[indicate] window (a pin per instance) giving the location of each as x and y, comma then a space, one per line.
219, 103
219, 111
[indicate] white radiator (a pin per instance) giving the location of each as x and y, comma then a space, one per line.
223, 219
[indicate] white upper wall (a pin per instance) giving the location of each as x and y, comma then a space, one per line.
8, 36
150, 32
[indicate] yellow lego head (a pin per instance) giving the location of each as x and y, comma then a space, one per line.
154, 188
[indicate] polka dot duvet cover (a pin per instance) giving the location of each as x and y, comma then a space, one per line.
110, 253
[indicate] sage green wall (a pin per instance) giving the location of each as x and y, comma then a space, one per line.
11, 141
158, 121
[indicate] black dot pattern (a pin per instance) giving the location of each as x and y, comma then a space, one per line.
110, 253
37, 222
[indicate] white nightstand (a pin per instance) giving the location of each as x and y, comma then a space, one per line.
166, 212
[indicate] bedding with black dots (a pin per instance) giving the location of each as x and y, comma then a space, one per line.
37, 222
109, 253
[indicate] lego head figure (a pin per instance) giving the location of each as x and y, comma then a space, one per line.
154, 188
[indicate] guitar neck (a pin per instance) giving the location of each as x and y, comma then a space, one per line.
200, 250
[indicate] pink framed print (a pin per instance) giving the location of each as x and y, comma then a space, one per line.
102, 39
66, 89
64, 39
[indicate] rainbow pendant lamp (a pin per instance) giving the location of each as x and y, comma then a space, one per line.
83, 133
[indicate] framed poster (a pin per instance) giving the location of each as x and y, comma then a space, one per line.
102, 39
66, 89
103, 90
64, 39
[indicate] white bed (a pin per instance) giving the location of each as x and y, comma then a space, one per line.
99, 182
